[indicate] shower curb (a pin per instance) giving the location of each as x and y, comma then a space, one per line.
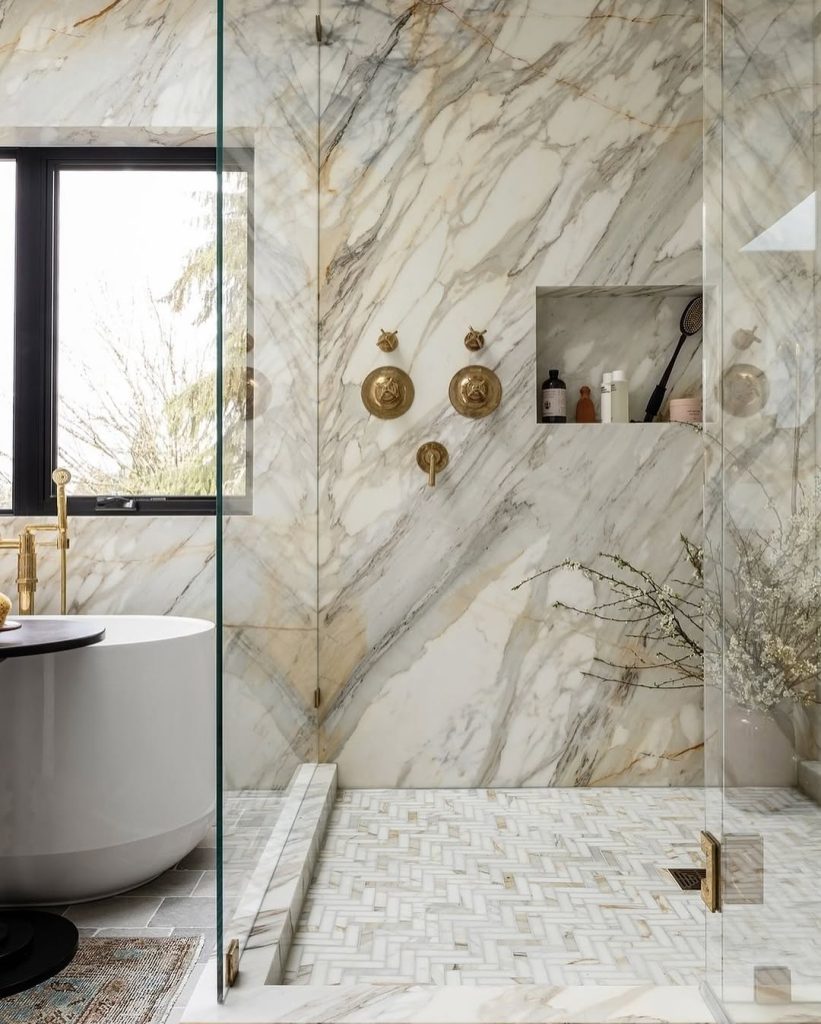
272, 902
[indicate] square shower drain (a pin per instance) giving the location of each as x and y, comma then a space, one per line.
688, 879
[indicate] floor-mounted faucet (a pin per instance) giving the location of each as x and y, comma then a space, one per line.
26, 548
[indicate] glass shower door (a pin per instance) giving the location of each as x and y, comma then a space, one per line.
762, 584
267, 528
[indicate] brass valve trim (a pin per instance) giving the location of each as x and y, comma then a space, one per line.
432, 458
387, 392
388, 340
474, 340
475, 391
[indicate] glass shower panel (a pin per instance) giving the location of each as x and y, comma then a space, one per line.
8, 169
761, 513
267, 153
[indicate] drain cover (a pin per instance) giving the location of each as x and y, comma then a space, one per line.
688, 879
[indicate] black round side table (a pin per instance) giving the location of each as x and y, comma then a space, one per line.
35, 944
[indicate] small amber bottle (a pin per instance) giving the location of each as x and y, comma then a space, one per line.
585, 410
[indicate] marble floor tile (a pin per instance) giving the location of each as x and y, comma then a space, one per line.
552, 886
489, 887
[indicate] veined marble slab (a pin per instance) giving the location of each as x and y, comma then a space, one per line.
295, 835
470, 155
269, 908
267, 945
397, 1004
88, 73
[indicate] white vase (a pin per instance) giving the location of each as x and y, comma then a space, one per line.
759, 747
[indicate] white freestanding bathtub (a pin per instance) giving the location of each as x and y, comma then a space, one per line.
106, 759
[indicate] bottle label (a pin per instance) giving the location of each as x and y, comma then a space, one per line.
554, 402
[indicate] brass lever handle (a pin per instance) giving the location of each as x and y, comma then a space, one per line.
432, 457
61, 477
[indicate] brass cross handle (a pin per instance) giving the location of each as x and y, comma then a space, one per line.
432, 458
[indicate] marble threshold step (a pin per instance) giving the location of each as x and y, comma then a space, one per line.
440, 1004
809, 779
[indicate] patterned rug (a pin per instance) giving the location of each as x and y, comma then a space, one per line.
110, 981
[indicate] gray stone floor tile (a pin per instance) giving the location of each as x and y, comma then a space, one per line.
209, 938
185, 912
201, 858
117, 912
177, 882
135, 933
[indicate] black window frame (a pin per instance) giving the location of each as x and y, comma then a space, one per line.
36, 346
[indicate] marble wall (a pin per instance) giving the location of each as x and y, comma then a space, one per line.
468, 154
471, 154
81, 72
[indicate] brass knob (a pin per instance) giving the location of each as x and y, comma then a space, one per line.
475, 391
387, 392
61, 477
432, 458
474, 340
388, 340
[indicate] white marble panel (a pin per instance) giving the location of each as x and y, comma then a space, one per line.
471, 154
269, 908
468, 156
432, 1004
87, 73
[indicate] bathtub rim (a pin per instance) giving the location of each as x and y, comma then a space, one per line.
190, 626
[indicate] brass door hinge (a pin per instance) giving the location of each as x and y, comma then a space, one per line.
317, 697
231, 962
711, 883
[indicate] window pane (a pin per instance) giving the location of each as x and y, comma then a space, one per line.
7, 235
137, 332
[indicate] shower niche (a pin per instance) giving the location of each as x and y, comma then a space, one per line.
584, 332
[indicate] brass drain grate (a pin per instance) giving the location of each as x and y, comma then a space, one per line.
688, 879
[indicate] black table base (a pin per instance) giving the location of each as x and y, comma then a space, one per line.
34, 946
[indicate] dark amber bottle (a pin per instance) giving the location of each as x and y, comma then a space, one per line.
554, 399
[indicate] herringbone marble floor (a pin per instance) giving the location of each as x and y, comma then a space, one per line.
475, 887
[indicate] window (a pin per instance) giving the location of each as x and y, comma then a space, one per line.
115, 336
